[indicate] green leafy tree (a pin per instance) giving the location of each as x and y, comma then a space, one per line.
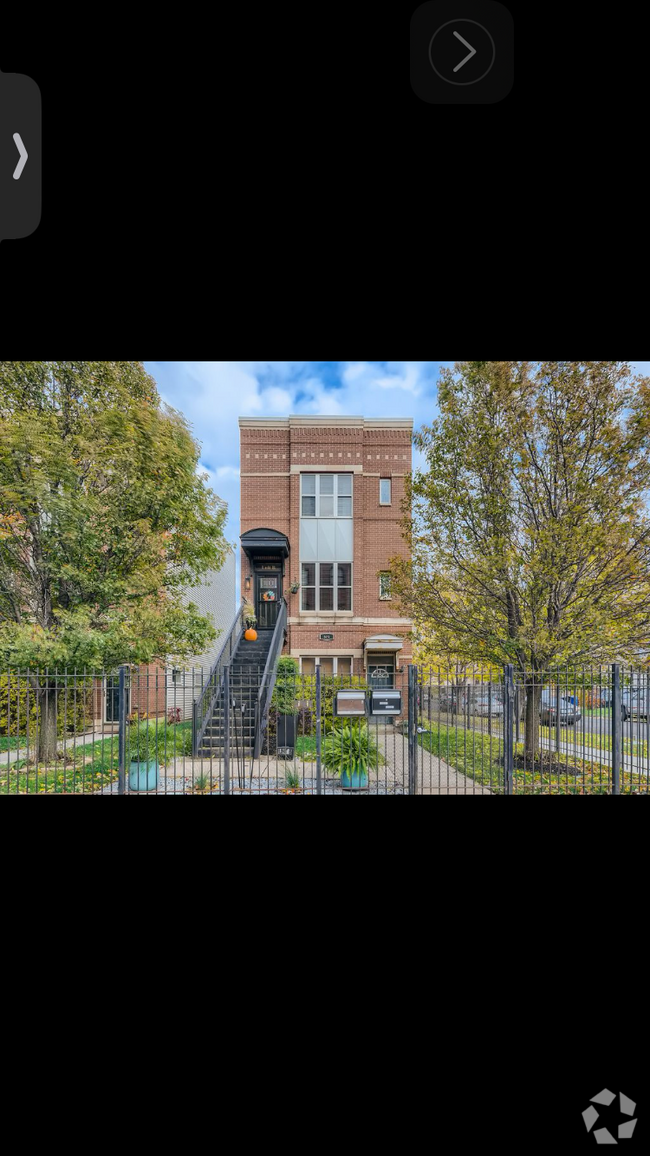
104, 523
529, 525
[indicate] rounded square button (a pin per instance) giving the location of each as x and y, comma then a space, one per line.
20, 155
462, 52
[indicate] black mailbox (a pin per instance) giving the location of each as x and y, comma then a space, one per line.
386, 702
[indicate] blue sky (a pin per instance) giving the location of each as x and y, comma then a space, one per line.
213, 394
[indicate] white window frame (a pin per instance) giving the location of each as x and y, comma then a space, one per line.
334, 588
385, 597
390, 492
335, 495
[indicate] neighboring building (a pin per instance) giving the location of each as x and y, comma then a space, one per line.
321, 505
215, 596
156, 690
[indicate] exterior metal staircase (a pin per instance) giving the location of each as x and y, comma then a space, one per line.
248, 670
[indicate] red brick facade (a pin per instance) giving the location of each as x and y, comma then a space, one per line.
273, 454
147, 694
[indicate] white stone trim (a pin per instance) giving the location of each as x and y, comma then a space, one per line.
301, 420
312, 652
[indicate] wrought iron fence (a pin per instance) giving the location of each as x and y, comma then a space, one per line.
518, 731
476, 731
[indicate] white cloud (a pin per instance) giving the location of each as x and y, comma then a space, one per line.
214, 394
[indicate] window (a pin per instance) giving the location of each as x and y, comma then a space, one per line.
326, 495
344, 586
308, 495
326, 586
384, 586
344, 495
384, 491
308, 585
176, 675
329, 664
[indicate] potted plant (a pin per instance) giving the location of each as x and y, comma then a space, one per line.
348, 751
284, 700
294, 587
250, 618
143, 772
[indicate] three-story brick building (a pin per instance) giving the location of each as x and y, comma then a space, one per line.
321, 506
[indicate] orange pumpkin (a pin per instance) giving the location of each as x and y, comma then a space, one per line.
250, 634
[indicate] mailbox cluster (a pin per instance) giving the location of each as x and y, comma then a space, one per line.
355, 703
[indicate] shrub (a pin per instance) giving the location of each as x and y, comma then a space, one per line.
350, 748
147, 742
329, 684
173, 715
287, 685
74, 711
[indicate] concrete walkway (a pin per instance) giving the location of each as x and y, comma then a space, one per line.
67, 744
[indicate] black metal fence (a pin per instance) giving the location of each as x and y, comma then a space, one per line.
470, 731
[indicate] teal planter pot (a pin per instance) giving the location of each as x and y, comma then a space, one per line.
143, 776
356, 781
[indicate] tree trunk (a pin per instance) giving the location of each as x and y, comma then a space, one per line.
47, 730
533, 700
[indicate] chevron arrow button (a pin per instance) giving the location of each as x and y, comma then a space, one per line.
23, 156
471, 53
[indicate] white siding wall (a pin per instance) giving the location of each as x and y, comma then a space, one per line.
216, 597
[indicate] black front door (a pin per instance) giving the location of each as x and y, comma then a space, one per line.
269, 592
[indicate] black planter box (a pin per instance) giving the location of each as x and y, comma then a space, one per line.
286, 734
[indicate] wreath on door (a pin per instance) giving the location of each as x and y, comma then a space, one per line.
268, 596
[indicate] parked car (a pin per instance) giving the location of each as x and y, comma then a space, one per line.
634, 702
484, 702
569, 710
452, 699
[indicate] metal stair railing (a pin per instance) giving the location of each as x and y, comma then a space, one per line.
268, 679
203, 706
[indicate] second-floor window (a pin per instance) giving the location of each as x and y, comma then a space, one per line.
384, 492
384, 585
326, 495
326, 586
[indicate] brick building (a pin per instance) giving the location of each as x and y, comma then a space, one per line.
321, 505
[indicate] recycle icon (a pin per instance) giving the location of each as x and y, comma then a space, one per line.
603, 1136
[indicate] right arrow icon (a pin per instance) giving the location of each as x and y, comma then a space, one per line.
23, 156
471, 53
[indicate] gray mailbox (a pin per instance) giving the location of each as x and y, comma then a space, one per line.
350, 702
386, 702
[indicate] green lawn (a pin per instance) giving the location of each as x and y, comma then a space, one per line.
475, 756
305, 747
93, 765
11, 743
597, 741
